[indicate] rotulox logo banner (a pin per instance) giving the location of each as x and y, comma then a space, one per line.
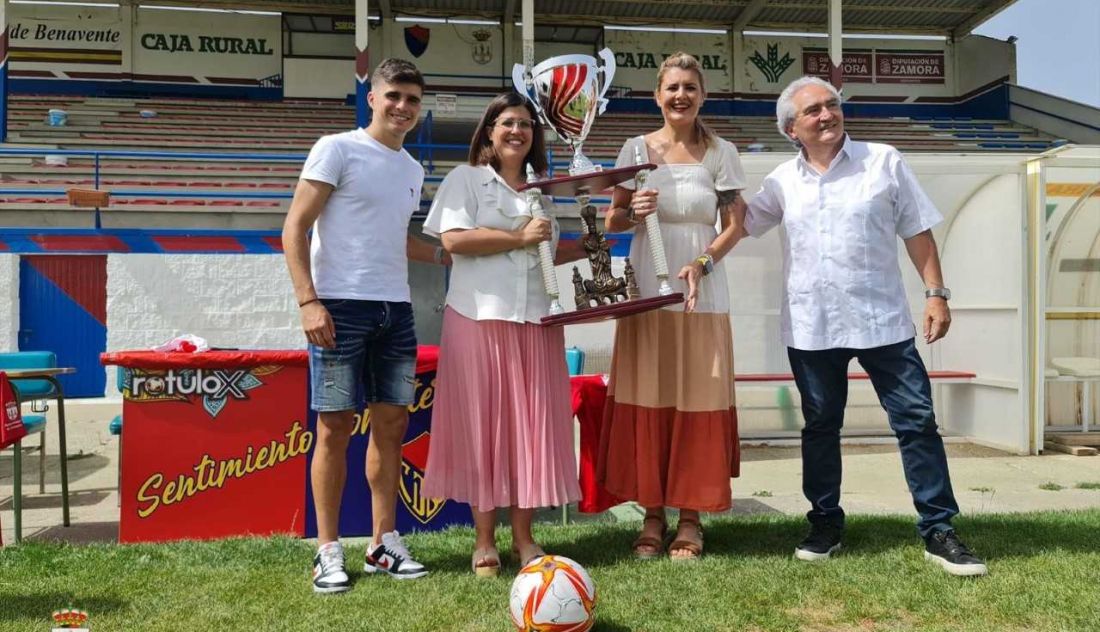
212, 388
186, 477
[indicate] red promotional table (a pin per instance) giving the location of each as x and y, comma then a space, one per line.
216, 444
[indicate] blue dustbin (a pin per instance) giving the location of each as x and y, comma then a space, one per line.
57, 118
574, 359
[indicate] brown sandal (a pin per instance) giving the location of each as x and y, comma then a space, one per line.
656, 544
695, 549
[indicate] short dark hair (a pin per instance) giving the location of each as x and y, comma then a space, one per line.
394, 70
481, 145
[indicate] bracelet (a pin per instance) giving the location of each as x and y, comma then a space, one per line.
707, 262
438, 256
312, 300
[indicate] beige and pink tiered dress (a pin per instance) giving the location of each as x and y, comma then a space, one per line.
669, 433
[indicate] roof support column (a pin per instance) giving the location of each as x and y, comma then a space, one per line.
3, 71
508, 28
528, 34
836, 44
362, 63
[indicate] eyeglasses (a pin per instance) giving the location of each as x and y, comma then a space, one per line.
523, 124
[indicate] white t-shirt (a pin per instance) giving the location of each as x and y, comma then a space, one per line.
502, 286
842, 286
359, 248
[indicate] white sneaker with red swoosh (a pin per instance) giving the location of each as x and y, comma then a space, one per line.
328, 569
393, 558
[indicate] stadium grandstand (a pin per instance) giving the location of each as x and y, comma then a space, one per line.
156, 145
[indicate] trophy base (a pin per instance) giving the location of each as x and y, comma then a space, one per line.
586, 183
613, 311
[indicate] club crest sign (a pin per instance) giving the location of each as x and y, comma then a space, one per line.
482, 49
416, 39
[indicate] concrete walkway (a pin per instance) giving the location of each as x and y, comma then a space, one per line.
985, 481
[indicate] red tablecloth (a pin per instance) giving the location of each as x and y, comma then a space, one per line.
427, 356
589, 394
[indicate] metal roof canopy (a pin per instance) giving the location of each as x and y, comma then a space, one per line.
951, 18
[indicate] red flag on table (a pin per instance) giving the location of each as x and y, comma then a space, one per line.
11, 425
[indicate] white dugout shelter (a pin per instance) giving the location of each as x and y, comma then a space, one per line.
1020, 246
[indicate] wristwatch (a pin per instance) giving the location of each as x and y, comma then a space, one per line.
707, 262
941, 292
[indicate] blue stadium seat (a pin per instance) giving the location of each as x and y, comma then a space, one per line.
34, 423
31, 389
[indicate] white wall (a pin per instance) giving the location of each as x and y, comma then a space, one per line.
9, 302
241, 301
323, 78
322, 44
980, 60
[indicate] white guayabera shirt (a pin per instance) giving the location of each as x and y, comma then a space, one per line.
842, 286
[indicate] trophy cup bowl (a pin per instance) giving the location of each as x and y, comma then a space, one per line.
568, 92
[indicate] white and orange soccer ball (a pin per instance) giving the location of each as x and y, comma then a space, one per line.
553, 594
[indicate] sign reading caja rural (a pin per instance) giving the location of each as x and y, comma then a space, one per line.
181, 42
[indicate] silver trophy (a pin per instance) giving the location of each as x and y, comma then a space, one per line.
568, 92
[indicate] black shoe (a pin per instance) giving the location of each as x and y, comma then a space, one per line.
945, 548
823, 541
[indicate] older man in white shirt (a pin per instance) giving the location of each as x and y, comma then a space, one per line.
843, 204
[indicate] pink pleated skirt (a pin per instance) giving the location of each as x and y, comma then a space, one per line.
502, 424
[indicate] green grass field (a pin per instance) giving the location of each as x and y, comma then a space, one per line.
1045, 575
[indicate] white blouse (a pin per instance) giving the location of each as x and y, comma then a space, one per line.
502, 286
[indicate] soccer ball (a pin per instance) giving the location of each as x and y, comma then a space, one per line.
553, 594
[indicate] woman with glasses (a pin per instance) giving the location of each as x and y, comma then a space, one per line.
669, 434
502, 425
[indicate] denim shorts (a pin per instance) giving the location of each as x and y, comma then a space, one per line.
375, 349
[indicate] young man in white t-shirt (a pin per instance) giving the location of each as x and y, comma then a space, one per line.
357, 192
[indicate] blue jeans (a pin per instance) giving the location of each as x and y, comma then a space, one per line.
375, 349
901, 382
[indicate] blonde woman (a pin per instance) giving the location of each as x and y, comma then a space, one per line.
669, 436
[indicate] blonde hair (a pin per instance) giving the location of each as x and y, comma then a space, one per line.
684, 61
